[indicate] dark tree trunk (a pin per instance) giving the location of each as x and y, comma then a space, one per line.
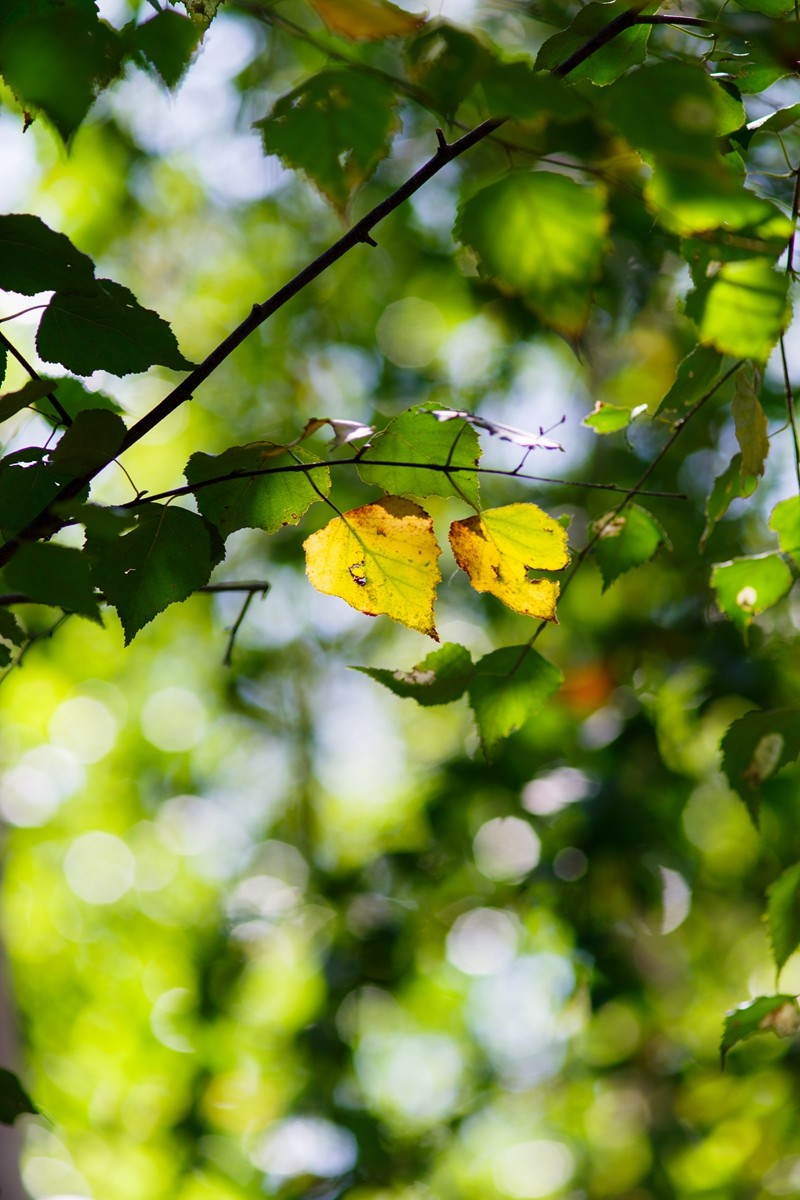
10, 1181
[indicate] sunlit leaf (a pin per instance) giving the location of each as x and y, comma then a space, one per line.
498, 548
756, 747
608, 418
750, 421
743, 309
336, 127
729, 486
93, 439
164, 558
604, 66
14, 1100
765, 1014
53, 574
440, 678
256, 501
785, 521
380, 558
626, 540
35, 258
107, 330
540, 236
783, 913
364, 20
509, 686
746, 587
417, 437
344, 432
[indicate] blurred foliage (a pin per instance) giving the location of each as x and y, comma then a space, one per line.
274, 928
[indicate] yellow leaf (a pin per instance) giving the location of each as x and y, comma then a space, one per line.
364, 20
381, 559
499, 547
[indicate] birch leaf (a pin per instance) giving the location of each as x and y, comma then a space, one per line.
750, 421
380, 558
499, 547
366, 20
776, 1014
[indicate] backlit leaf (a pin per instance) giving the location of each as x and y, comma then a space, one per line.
729, 486
167, 42
365, 20
380, 558
417, 437
256, 501
514, 89
14, 1100
35, 258
608, 418
54, 574
336, 127
745, 587
509, 686
785, 521
783, 913
93, 439
446, 62
440, 678
107, 330
30, 393
696, 374
756, 747
770, 8
750, 421
24, 492
499, 547
167, 555
626, 540
540, 236
765, 1014
74, 398
606, 64
743, 309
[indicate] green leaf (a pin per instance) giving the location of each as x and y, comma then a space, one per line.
336, 127
541, 236
608, 418
743, 309
166, 557
765, 236
440, 678
508, 687
696, 374
24, 492
785, 521
769, 8
627, 540
445, 62
34, 258
55, 59
416, 436
750, 421
30, 393
93, 439
14, 1100
256, 501
607, 64
774, 122
693, 112
54, 574
692, 198
74, 398
783, 914
167, 42
12, 636
515, 90
756, 747
106, 331
729, 486
746, 587
778, 1014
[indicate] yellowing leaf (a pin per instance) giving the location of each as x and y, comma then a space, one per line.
499, 547
381, 559
364, 20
